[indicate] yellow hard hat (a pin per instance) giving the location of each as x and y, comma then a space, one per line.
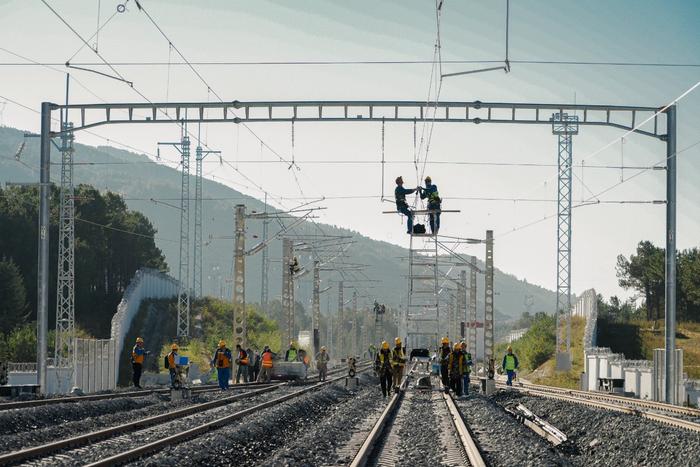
323, 347
428, 179
385, 345
139, 340
458, 346
174, 347
397, 341
510, 348
222, 343
445, 340
463, 344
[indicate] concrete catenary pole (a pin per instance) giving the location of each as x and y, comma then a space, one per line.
341, 323
287, 290
316, 307
488, 301
670, 302
240, 316
472, 307
42, 311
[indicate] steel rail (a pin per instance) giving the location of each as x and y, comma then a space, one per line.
177, 438
616, 407
470, 447
376, 434
116, 395
89, 438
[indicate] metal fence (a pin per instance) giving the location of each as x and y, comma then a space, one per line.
95, 364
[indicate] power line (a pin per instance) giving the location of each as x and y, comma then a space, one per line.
124, 231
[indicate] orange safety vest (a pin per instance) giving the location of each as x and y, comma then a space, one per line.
171, 360
243, 358
136, 357
267, 360
222, 361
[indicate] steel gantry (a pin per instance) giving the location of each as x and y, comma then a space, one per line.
65, 288
565, 126
628, 118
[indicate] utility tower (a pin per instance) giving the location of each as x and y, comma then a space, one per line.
184, 292
472, 307
287, 289
565, 126
240, 316
65, 289
200, 155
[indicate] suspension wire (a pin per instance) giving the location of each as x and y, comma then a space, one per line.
167, 79
97, 32
95, 35
622, 159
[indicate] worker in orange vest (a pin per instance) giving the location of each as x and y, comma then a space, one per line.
138, 354
266, 366
222, 361
172, 360
242, 362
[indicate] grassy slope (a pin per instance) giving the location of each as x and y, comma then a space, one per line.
638, 339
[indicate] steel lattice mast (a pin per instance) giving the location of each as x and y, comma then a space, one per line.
65, 289
197, 254
183, 296
564, 126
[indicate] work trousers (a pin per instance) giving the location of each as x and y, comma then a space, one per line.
137, 367
172, 376
385, 382
434, 219
403, 209
456, 384
322, 371
255, 371
242, 371
465, 384
223, 375
265, 375
445, 377
511, 377
398, 376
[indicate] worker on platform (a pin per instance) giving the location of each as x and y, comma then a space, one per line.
401, 205
292, 355
138, 353
322, 359
398, 362
222, 362
431, 193
242, 362
456, 369
510, 364
266, 365
444, 359
382, 366
172, 360
466, 369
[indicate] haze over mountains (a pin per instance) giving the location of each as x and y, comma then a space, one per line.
139, 180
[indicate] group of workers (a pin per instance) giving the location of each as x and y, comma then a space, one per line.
429, 192
389, 364
455, 367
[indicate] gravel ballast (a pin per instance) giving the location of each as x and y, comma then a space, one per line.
603, 437
502, 439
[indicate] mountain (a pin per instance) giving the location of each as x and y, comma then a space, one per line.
139, 180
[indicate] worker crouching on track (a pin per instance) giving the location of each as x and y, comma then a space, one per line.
222, 361
510, 364
322, 359
138, 354
444, 359
242, 362
467, 369
266, 365
382, 366
456, 367
398, 362
171, 360
401, 205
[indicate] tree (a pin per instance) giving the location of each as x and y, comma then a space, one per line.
13, 297
644, 272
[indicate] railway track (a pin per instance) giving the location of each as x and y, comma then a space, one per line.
382, 446
657, 411
125, 430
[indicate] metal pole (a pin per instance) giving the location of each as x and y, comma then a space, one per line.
316, 307
197, 258
670, 302
353, 342
265, 265
341, 323
240, 317
42, 311
472, 307
488, 300
183, 296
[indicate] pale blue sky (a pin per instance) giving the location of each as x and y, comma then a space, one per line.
630, 31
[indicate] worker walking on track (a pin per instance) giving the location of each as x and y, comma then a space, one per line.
138, 354
510, 364
222, 361
456, 367
431, 192
467, 369
322, 359
444, 359
382, 366
266, 365
398, 362
401, 205
172, 360
242, 362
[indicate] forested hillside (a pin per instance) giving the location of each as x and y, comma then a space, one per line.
139, 180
